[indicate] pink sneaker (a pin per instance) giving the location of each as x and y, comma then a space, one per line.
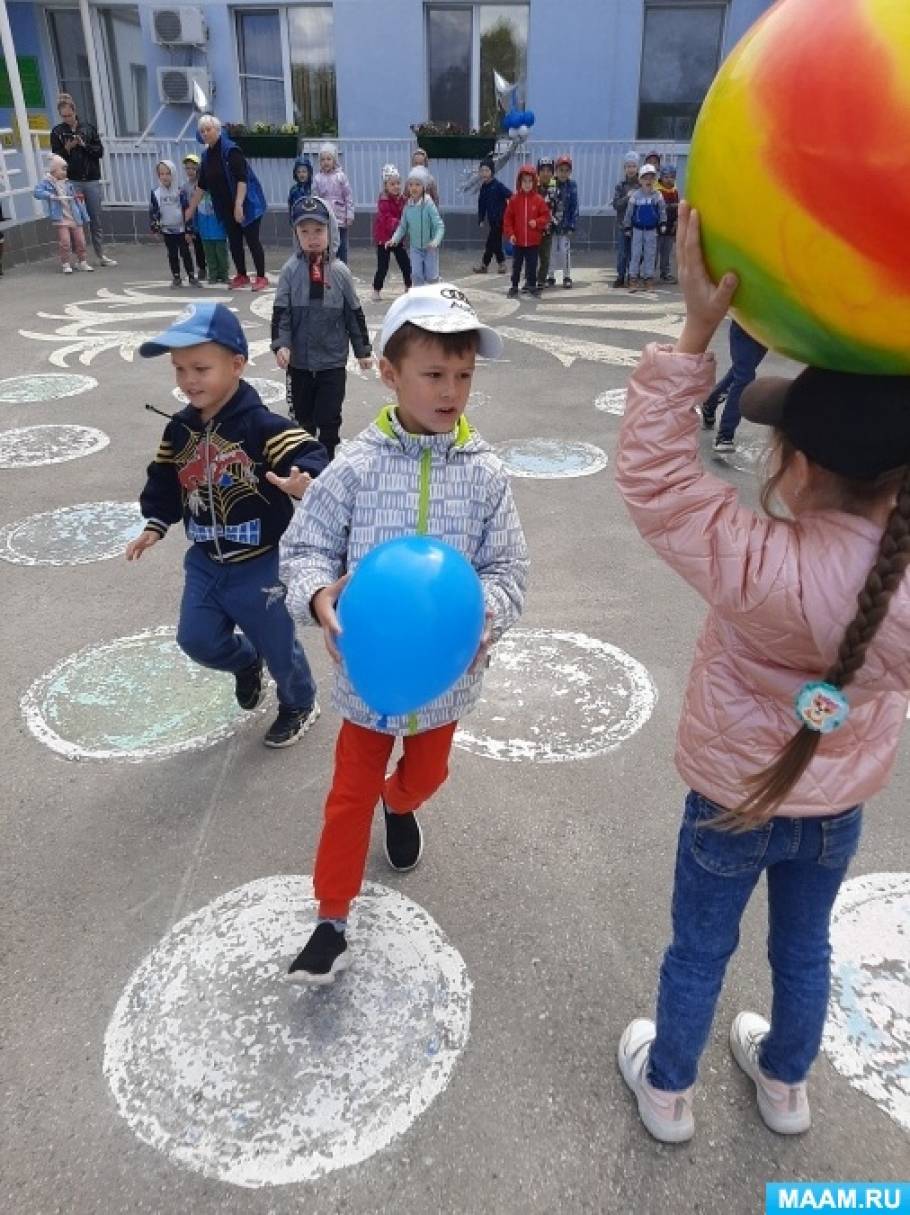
668, 1116
260, 284
784, 1107
239, 280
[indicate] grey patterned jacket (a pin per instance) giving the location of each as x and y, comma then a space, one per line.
385, 484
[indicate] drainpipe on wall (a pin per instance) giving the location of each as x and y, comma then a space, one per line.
15, 84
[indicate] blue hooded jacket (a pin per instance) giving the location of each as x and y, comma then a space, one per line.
300, 189
254, 205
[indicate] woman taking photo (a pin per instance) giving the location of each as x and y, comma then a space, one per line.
80, 146
237, 199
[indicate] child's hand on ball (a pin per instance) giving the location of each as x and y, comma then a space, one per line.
706, 303
322, 605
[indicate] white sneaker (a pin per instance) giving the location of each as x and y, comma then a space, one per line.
86, 267
668, 1116
783, 1107
67, 269
104, 260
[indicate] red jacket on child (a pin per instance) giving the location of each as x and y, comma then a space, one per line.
522, 207
388, 213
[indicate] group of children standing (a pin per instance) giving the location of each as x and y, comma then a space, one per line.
646, 202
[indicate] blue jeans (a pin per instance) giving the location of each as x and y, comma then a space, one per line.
745, 355
424, 266
806, 860
623, 250
250, 596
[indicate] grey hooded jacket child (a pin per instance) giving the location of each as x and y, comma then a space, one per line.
317, 327
388, 483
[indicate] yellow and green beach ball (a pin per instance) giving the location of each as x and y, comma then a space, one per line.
798, 169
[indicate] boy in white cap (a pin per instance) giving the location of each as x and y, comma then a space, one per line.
418, 469
646, 217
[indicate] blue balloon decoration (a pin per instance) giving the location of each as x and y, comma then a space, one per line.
508, 248
411, 617
529, 118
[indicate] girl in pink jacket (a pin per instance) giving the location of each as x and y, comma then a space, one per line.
797, 695
332, 186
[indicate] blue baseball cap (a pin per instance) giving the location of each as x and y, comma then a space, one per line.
312, 208
200, 323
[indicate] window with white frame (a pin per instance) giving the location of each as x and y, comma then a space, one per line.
466, 43
71, 60
286, 58
127, 71
681, 52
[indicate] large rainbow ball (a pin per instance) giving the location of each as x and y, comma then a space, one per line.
799, 171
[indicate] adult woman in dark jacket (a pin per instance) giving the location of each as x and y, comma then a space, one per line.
237, 199
80, 146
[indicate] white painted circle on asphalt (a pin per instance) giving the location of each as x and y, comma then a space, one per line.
552, 696
549, 459
132, 698
478, 399
71, 535
216, 1061
867, 1035
31, 446
272, 391
47, 386
612, 401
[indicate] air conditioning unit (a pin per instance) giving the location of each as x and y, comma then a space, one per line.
179, 27
175, 84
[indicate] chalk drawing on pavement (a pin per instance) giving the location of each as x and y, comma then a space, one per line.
273, 392
71, 535
235, 1074
48, 386
132, 698
867, 1035
32, 446
612, 401
552, 696
550, 458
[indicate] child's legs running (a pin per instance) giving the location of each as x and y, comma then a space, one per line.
649, 253
422, 769
746, 354
382, 266
716, 872
493, 247
361, 757
205, 630
801, 894
329, 397
252, 593
404, 264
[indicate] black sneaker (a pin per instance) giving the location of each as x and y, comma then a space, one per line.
512, 293
567, 282
324, 956
290, 726
525, 289
722, 443
551, 280
194, 281
248, 685
175, 281
403, 840
707, 418
537, 292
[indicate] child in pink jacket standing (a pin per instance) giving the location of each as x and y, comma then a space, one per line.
391, 203
332, 186
797, 696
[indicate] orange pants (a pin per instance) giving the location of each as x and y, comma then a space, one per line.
361, 757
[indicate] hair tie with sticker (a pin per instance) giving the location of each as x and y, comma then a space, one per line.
821, 706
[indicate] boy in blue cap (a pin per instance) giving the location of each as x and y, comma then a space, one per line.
229, 468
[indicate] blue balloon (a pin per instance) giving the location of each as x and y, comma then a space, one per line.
529, 118
412, 617
508, 248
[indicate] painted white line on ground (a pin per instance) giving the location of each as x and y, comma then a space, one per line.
551, 696
867, 1036
231, 1072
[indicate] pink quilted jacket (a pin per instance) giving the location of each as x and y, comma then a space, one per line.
779, 598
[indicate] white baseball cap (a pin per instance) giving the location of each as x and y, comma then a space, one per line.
439, 308
646, 169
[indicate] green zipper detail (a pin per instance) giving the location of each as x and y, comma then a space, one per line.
412, 723
423, 503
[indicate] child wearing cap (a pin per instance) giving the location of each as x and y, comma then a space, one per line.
565, 217
302, 183
646, 218
623, 191
666, 184
191, 164
491, 207
797, 697
526, 219
420, 468
315, 318
546, 188
389, 206
229, 468
167, 218
422, 224
332, 186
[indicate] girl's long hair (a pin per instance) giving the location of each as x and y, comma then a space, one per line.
769, 788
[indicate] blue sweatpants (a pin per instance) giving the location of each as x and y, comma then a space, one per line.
247, 596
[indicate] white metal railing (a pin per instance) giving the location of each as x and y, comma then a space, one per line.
16, 195
597, 167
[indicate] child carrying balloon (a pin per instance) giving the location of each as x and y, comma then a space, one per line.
418, 469
797, 697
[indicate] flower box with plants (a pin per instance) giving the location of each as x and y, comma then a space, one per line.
447, 141
263, 139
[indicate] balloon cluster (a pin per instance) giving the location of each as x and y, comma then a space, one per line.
518, 123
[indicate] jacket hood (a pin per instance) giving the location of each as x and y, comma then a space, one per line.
387, 430
523, 169
169, 164
245, 400
334, 235
303, 162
